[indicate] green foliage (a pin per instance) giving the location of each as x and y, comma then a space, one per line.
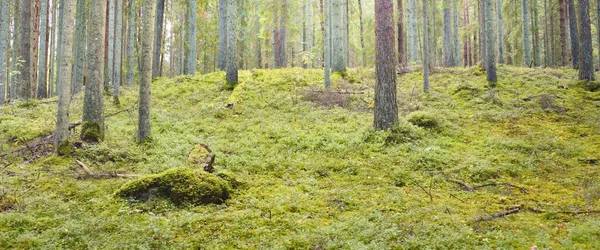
182, 186
91, 132
425, 120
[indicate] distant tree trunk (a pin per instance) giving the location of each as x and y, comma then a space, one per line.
500, 34
598, 27
232, 56
467, 43
131, 43
362, 34
304, 33
345, 32
16, 46
25, 51
546, 36
118, 67
563, 31
456, 32
448, 51
526, 36
35, 38
191, 39
148, 8
258, 49
574, 35
337, 37
491, 53
4, 29
42, 91
327, 43
160, 14
536, 35
586, 63
412, 43
425, 49
482, 36
52, 45
223, 35
80, 27
552, 44
401, 50
111, 43
93, 102
61, 135
282, 35
386, 109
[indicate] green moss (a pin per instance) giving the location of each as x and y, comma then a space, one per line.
425, 120
199, 156
591, 86
403, 132
230, 178
182, 186
91, 132
64, 148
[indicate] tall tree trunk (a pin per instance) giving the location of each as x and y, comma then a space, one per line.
232, 56
573, 34
362, 34
401, 50
93, 102
117, 68
42, 91
552, 44
25, 51
223, 35
467, 43
448, 51
61, 135
158, 37
337, 37
4, 29
586, 63
80, 27
282, 35
536, 35
52, 49
563, 31
491, 53
345, 32
35, 38
500, 33
131, 43
386, 109
191, 39
526, 36
482, 36
148, 8
258, 49
327, 43
425, 50
598, 27
111, 43
546, 36
456, 32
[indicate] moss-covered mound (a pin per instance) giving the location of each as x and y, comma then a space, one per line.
182, 186
201, 157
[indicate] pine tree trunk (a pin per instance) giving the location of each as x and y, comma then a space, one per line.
337, 37
598, 27
574, 34
16, 43
52, 48
563, 31
362, 34
456, 32
386, 109
131, 43
491, 53
467, 43
536, 35
327, 43
35, 39
42, 91
482, 36
500, 33
222, 35
61, 135
93, 102
4, 29
412, 43
401, 50
148, 8
158, 37
117, 68
448, 51
425, 49
586, 63
282, 35
232, 56
546, 36
191, 39
526, 36
111, 44
25, 51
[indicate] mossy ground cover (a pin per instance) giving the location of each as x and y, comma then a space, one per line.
317, 176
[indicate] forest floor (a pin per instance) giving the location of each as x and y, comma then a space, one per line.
467, 167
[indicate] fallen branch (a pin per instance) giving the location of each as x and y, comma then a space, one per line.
514, 210
542, 211
338, 92
589, 161
92, 175
470, 188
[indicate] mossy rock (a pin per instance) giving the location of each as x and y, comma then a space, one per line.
201, 157
182, 186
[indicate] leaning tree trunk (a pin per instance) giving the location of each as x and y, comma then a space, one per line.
586, 63
93, 102
232, 57
573, 33
61, 135
148, 8
386, 109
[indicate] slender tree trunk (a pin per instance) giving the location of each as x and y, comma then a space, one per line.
117, 68
563, 31
526, 36
574, 34
53, 50
16, 46
491, 53
160, 14
148, 8
425, 49
258, 51
327, 43
386, 109
111, 43
4, 29
222, 35
456, 32
586, 63
598, 27
191, 39
232, 56
93, 102
552, 44
25, 51
131, 43
35, 38
448, 51
546, 36
467, 43
412, 31
482, 36
536, 35
42, 91
401, 50
362, 34
500, 33
61, 135
337, 37
282, 57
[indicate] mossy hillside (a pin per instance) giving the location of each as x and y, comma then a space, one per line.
320, 177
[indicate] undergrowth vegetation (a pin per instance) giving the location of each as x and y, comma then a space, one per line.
305, 169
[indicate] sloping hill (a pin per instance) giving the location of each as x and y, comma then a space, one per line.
467, 167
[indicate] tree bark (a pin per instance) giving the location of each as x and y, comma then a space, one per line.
327, 43
61, 136
586, 63
574, 34
500, 33
491, 53
362, 34
223, 35
158, 37
190, 68
386, 109
232, 57
448, 51
148, 8
526, 36
4, 29
25, 51
131, 43
563, 31
401, 50
118, 51
425, 49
